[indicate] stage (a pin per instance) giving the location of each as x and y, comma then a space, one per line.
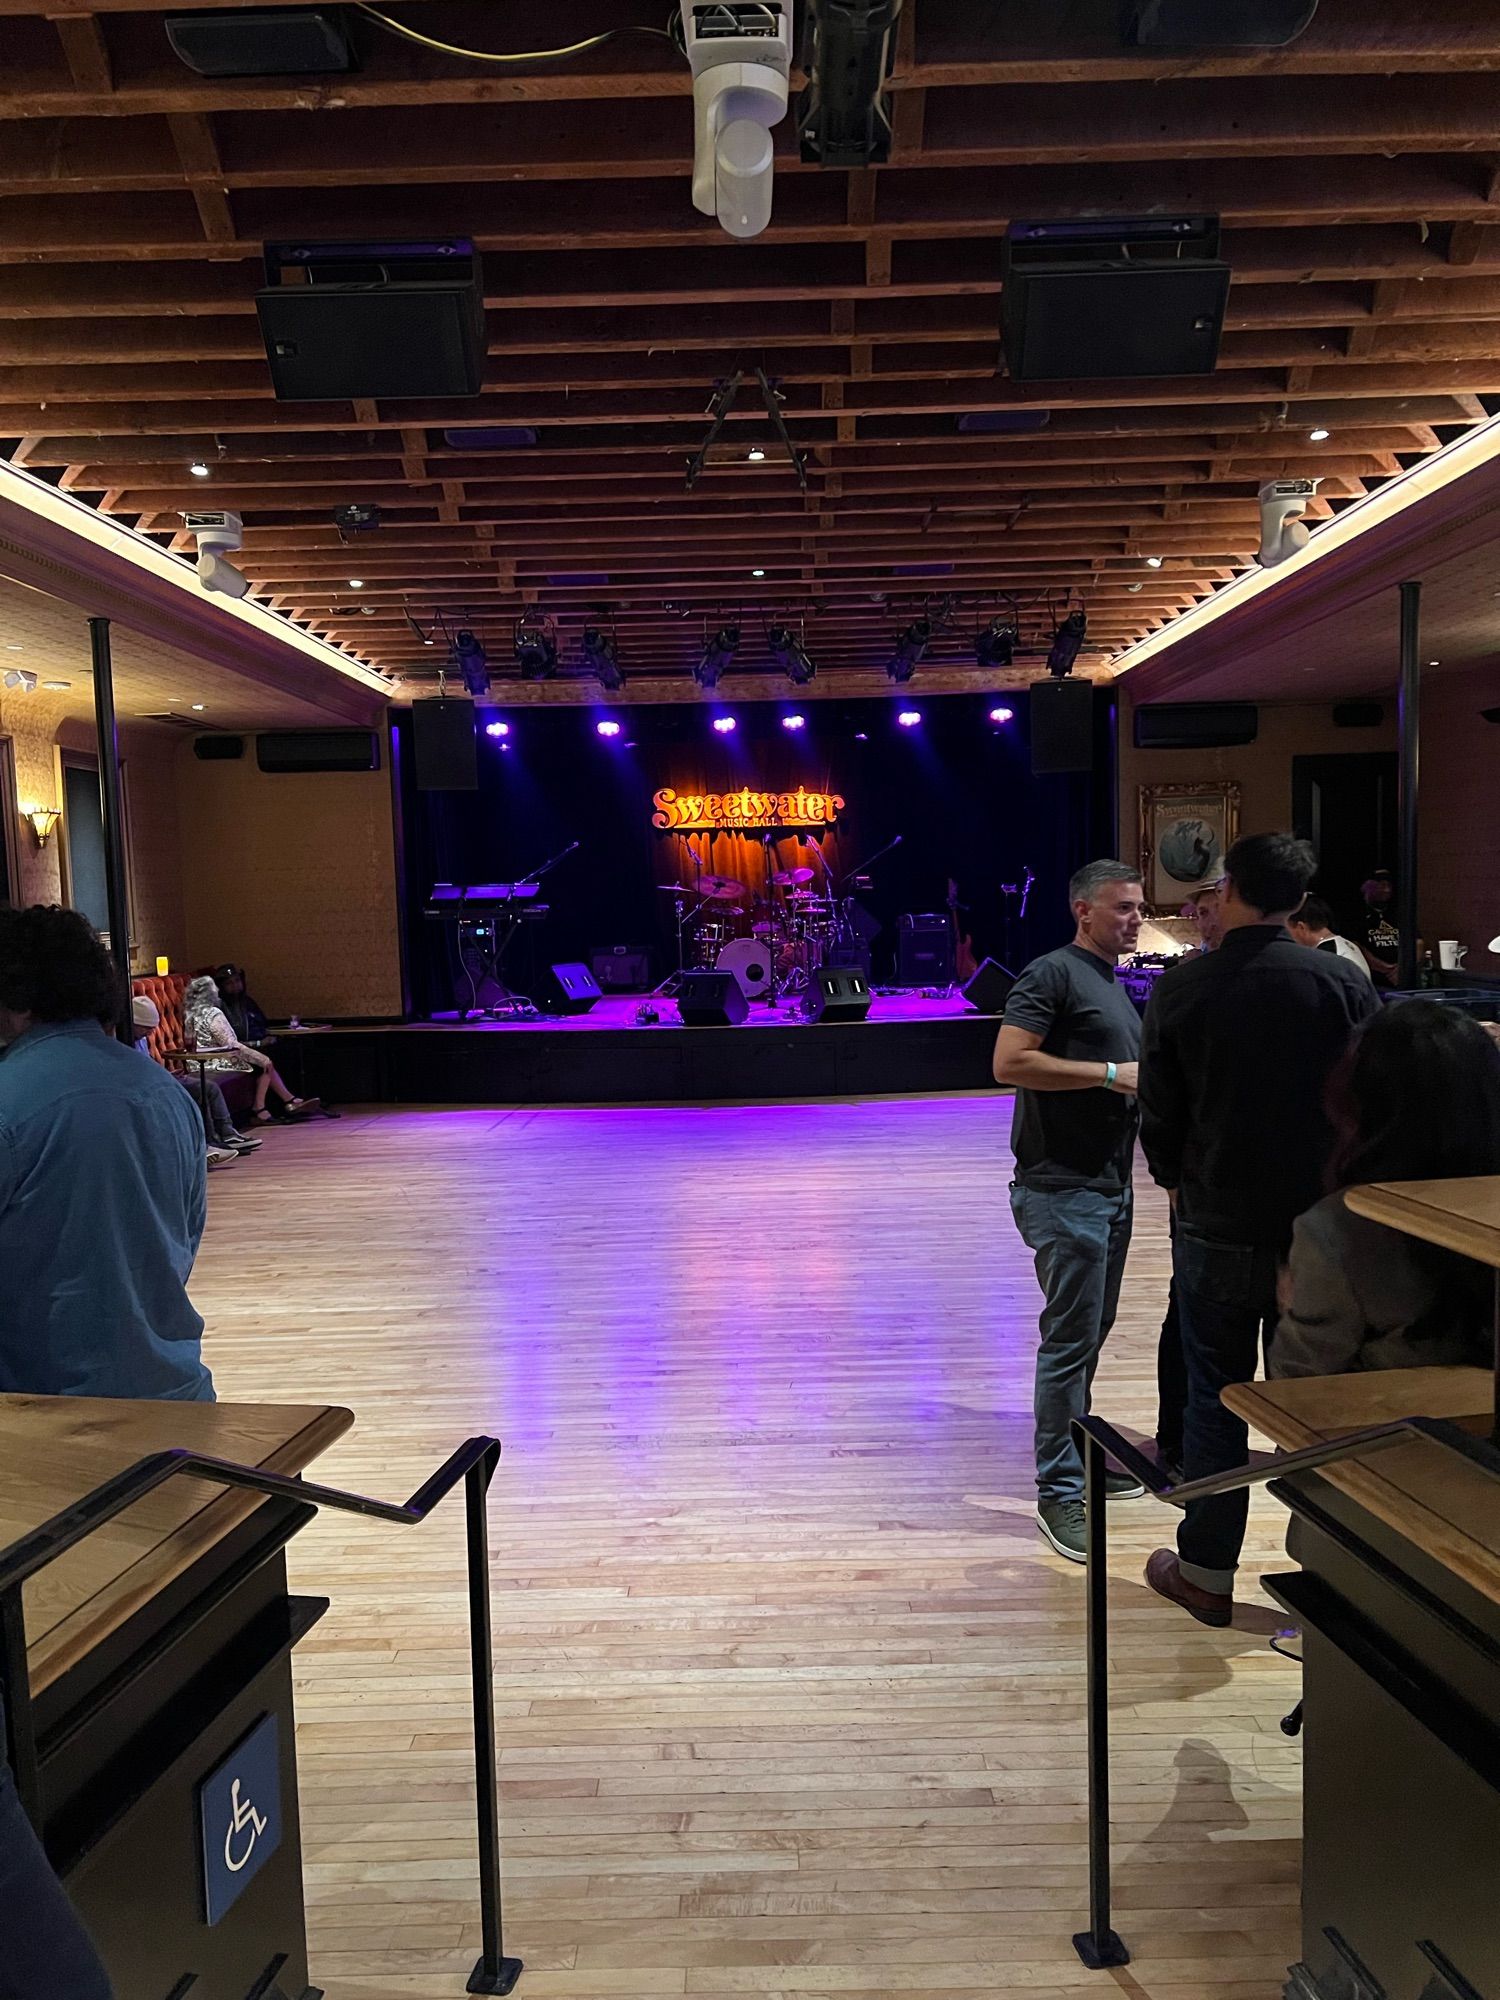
910, 1042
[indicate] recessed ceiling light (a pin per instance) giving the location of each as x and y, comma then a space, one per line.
1320, 435
755, 454
757, 572
356, 583
198, 707
1154, 562
15, 646
57, 687
1434, 663
198, 469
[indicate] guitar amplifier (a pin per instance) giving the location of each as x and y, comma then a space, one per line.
924, 949
621, 968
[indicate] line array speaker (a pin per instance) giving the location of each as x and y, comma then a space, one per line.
1062, 727
444, 750
712, 1000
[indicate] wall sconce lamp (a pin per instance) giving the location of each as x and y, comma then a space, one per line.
43, 820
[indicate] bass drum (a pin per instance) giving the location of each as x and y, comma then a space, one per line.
750, 962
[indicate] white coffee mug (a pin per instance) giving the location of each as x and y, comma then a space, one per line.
1451, 954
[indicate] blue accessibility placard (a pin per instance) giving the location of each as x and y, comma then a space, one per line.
239, 1814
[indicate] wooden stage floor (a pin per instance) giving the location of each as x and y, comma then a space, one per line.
789, 1688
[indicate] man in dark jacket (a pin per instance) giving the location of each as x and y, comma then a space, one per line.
1238, 1049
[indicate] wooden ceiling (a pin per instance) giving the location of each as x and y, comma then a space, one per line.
1357, 174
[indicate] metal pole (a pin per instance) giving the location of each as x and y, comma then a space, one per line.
112, 815
1408, 710
1495, 1420
494, 1973
19, 1745
1099, 1945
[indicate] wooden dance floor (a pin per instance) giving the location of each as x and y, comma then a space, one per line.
789, 1689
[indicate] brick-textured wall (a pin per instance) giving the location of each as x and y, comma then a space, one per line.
1459, 878
295, 878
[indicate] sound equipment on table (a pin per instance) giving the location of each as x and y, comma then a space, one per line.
1062, 727
989, 988
445, 754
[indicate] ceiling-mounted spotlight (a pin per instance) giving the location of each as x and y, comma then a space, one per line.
842, 116
755, 454
360, 517
1283, 531
910, 646
535, 649
717, 656
741, 56
1067, 643
1155, 562
789, 653
601, 655
995, 646
213, 532
472, 662
199, 469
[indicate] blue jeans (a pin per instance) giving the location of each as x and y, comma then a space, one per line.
1079, 1239
1226, 1296
45, 1952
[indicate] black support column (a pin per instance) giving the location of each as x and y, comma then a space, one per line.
114, 820
1409, 722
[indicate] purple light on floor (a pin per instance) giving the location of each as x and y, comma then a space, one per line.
909, 718
1002, 715
607, 728
794, 722
497, 729
724, 724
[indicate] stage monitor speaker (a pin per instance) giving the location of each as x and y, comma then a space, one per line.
264, 41
570, 989
443, 745
621, 968
1082, 301
837, 993
218, 749
284, 750
711, 1000
1062, 727
1196, 725
989, 988
376, 320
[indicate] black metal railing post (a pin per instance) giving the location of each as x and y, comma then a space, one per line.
1100, 1944
494, 1973
19, 1746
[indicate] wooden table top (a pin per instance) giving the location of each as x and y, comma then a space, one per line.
1437, 1500
55, 1449
1460, 1215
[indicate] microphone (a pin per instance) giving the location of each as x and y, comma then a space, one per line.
898, 840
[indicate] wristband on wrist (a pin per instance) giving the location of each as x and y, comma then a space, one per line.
1111, 1071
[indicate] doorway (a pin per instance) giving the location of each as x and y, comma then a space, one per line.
1346, 806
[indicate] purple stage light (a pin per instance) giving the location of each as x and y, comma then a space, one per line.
909, 717
1002, 715
497, 729
724, 724
607, 728
794, 722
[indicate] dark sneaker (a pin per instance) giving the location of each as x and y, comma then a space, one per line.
1209, 1607
1122, 1486
1061, 1521
244, 1142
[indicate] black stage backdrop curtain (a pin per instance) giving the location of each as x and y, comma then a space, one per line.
957, 788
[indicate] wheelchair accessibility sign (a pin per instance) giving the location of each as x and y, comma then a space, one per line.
239, 1814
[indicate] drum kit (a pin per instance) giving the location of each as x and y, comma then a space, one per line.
771, 943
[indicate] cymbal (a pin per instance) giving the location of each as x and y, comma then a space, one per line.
721, 887
677, 888
790, 877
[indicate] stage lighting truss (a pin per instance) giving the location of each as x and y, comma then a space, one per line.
790, 654
717, 656
1067, 643
719, 406
601, 655
535, 647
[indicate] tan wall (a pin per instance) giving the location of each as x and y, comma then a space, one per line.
1262, 769
1459, 872
295, 878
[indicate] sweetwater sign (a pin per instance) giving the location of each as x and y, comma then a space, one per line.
742, 812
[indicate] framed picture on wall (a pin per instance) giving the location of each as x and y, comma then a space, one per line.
1185, 832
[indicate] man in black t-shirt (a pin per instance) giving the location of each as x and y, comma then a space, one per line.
1069, 1045
1376, 933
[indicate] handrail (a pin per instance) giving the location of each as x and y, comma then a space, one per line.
473, 1463
1100, 1945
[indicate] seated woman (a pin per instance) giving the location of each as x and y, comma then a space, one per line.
207, 1028
223, 1140
1417, 1098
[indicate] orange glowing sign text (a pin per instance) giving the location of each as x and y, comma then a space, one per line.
711, 812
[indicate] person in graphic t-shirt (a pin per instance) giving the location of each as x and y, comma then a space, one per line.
1312, 925
1376, 933
1069, 1045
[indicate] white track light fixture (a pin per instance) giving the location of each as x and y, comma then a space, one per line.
741, 56
214, 533
1283, 502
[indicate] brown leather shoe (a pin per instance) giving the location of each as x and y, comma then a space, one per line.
1209, 1607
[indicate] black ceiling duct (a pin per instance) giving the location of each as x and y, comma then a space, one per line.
1215, 24
264, 41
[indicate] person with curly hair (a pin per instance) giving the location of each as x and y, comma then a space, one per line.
102, 1199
